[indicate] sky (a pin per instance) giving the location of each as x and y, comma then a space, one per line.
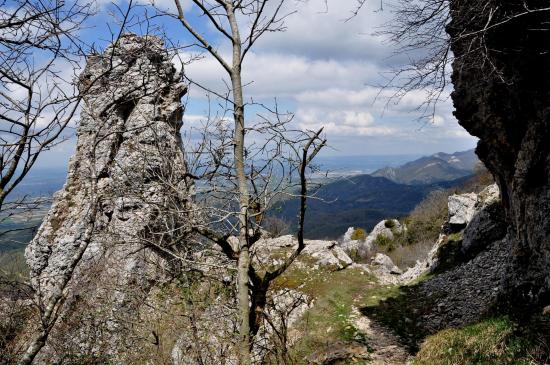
323, 68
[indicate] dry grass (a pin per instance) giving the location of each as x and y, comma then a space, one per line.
407, 256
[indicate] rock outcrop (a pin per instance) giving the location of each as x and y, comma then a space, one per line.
468, 281
366, 248
317, 253
488, 225
462, 209
501, 88
385, 264
126, 186
475, 222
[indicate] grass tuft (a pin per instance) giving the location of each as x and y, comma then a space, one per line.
491, 342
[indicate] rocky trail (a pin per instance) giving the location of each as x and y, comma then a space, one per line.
385, 348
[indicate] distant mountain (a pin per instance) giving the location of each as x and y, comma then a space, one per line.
431, 169
357, 165
357, 201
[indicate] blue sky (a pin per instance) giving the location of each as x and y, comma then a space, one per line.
321, 68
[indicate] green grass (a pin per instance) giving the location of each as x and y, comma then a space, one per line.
334, 295
491, 342
388, 244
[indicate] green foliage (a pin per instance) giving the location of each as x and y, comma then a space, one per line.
359, 234
491, 342
389, 223
422, 228
354, 255
388, 244
425, 221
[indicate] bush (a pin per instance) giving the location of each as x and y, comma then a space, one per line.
276, 226
385, 242
359, 234
389, 223
421, 231
406, 256
425, 221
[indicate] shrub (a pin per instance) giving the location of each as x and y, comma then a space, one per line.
405, 256
389, 223
359, 234
385, 242
425, 221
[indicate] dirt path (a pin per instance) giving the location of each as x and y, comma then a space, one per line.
386, 349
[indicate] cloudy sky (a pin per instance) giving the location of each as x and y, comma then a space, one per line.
323, 69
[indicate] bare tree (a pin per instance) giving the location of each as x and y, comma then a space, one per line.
228, 17
38, 98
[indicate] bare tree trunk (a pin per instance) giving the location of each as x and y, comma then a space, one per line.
251, 288
242, 181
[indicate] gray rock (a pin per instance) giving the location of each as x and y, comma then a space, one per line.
322, 253
367, 247
385, 263
487, 226
489, 195
481, 214
381, 229
462, 208
129, 148
348, 234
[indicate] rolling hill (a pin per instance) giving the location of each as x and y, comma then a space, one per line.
357, 201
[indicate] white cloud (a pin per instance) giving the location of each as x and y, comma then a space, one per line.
343, 123
324, 69
438, 120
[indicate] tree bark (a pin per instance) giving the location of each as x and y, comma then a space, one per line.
239, 159
501, 77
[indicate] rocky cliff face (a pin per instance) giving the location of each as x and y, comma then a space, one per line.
502, 85
127, 183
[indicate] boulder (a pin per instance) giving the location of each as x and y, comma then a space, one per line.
489, 195
271, 251
461, 209
386, 228
386, 264
349, 245
367, 247
348, 234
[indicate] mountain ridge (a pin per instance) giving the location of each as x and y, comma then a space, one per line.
432, 169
